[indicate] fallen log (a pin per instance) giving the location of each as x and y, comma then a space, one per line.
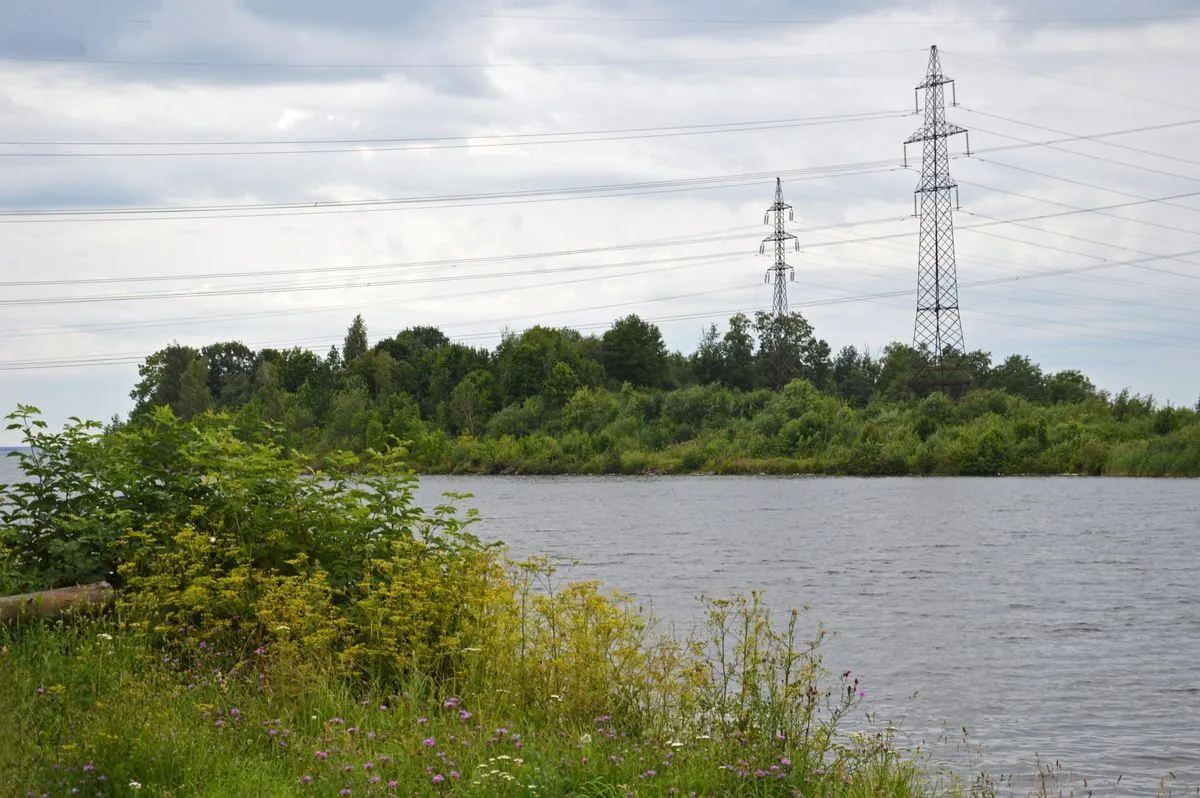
53, 603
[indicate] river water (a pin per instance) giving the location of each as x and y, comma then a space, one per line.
1052, 617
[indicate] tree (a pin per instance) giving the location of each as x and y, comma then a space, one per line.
854, 376
632, 351
194, 394
231, 367
1019, 376
787, 349
561, 385
472, 401
738, 350
161, 377
708, 362
355, 345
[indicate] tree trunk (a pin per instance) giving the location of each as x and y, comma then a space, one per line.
53, 603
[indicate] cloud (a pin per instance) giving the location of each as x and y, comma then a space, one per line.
1123, 324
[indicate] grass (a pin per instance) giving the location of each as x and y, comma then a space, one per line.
92, 709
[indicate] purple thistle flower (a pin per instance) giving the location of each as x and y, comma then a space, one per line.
306, 779
438, 778
454, 774
422, 720
787, 763
260, 651
449, 703
429, 742
203, 644
463, 714
321, 755
344, 791
373, 780
393, 784
368, 765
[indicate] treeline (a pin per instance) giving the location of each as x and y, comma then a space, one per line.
763, 395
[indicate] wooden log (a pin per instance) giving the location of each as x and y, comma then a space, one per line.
53, 603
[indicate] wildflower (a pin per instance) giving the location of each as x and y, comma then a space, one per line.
438, 778
787, 763
352, 730
500, 732
135, 785
104, 636
450, 703
383, 708
454, 774
203, 644
758, 774
344, 791
306, 779
393, 784
429, 742
347, 768
554, 697
373, 780
260, 651
368, 765
234, 713
463, 714
336, 720
321, 755
862, 693
422, 720
40, 691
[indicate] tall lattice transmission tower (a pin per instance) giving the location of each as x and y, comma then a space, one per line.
780, 269
938, 327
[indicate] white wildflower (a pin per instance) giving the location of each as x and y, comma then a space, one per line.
104, 636
135, 785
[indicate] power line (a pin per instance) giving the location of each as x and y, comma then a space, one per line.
404, 139
258, 210
1082, 84
442, 65
427, 265
1105, 142
428, 202
460, 142
827, 20
377, 283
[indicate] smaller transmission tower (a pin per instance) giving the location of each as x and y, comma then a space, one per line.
781, 270
938, 327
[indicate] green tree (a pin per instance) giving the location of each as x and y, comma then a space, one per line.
1019, 376
787, 349
708, 361
355, 345
561, 385
161, 378
231, 367
738, 351
195, 396
632, 351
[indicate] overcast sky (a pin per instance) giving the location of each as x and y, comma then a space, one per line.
446, 89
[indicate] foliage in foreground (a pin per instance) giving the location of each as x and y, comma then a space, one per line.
266, 615
555, 401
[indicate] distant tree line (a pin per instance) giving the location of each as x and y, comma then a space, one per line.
764, 394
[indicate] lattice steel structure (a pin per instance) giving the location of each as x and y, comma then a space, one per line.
780, 270
938, 327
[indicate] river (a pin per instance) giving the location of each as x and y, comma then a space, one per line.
1051, 617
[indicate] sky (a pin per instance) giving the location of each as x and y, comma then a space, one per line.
263, 170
